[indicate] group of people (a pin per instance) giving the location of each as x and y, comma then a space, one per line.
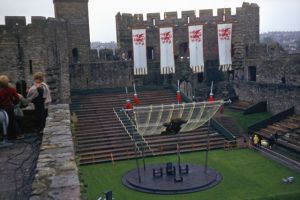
10, 102
257, 141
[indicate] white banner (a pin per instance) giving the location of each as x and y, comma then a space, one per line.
196, 48
224, 41
167, 65
139, 51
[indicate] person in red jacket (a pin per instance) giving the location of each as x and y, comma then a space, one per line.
8, 99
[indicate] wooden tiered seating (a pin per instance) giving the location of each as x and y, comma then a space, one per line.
189, 141
288, 131
240, 105
100, 137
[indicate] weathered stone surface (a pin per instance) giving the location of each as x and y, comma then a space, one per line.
57, 173
17, 162
39, 188
245, 30
39, 46
279, 97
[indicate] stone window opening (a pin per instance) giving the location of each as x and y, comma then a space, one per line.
153, 22
184, 49
30, 67
188, 20
247, 50
252, 73
150, 53
75, 55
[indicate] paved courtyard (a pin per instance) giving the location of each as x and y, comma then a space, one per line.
17, 168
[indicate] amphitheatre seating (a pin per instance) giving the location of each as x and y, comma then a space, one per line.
240, 105
100, 137
288, 131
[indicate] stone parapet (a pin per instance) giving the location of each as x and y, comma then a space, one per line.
279, 97
57, 172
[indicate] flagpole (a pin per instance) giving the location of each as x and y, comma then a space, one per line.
135, 96
134, 88
178, 91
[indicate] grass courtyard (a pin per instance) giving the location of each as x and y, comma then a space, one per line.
246, 120
246, 175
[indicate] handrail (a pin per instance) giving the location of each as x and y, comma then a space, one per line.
275, 118
228, 135
131, 133
122, 124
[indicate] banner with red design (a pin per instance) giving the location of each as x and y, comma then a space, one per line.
196, 48
224, 41
167, 65
139, 51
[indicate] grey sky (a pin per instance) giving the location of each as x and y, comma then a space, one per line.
275, 15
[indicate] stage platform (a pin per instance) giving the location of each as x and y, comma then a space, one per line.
195, 180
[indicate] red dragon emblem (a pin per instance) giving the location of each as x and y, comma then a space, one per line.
195, 35
139, 39
224, 33
166, 37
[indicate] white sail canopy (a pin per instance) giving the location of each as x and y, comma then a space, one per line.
150, 120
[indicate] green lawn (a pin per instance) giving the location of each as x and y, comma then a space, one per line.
246, 120
246, 175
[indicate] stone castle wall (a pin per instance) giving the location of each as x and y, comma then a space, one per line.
110, 74
39, 46
57, 173
245, 30
76, 15
279, 97
101, 75
273, 70
272, 64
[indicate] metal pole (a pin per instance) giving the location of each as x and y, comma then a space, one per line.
207, 142
143, 154
178, 150
137, 163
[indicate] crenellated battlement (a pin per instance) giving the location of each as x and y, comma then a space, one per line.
190, 15
245, 22
20, 21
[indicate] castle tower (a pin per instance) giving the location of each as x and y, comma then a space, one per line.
76, 14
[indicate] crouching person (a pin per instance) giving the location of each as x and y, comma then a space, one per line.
39, 95
19, 115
